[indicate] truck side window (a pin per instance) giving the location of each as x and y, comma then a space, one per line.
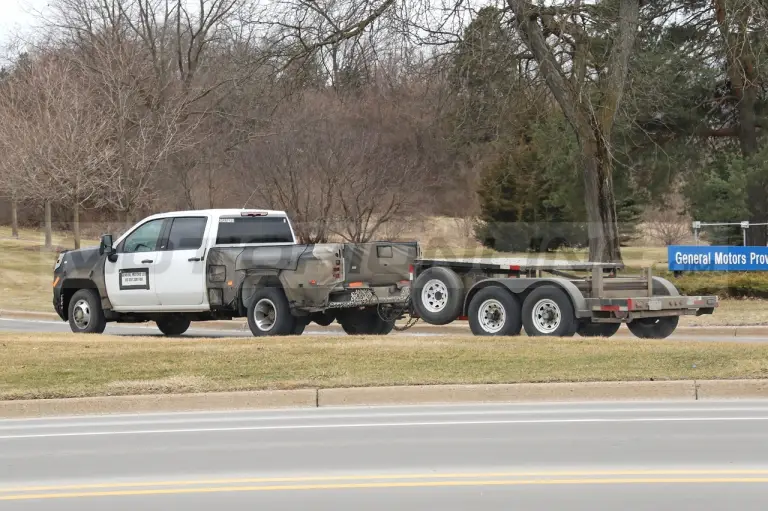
145, 238
187, 233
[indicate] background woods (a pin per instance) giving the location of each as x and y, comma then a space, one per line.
568, 123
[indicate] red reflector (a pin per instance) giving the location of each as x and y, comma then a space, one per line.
462, 318
312, 282
609, 307
630, 304
514, 268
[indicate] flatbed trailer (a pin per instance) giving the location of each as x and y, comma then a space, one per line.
503, 296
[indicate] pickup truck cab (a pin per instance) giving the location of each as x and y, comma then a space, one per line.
175, 268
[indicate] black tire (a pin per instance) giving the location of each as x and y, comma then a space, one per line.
85, 313
173, 324
495, 311
589, 329
546, 300
364, 322
443, 291
270, 314
653, 328
322, 318
301, 324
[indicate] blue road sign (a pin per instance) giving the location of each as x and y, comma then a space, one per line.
725, 258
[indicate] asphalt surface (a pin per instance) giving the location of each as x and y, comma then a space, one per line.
628, 456
149, 329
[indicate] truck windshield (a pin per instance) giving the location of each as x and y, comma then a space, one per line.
239, 230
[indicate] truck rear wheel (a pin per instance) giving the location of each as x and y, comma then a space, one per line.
173, 324
85, 313
270, 314
548, 310
364, 322
495, 311
438, 296
589, 329
653, 328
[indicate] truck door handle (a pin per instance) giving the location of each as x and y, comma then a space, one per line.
147, 261
194, 259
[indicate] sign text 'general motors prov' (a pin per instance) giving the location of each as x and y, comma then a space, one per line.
698, 258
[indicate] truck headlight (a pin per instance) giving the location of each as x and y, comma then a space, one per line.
58, 262
217, 273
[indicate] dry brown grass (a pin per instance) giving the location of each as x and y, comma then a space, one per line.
54, 365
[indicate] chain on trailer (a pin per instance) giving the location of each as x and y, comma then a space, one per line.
391, 313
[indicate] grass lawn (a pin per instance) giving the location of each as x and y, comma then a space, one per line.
49, 366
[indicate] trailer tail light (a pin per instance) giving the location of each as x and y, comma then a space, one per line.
410, 272
514, 268
337, 270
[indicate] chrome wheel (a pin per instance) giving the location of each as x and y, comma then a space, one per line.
81, 314
434, 296
491, 316
265, 314
546, 316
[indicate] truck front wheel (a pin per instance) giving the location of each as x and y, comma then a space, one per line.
653, 328
85, 313
270, 314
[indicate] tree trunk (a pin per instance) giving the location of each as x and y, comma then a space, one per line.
14, 218
76, 224
48, 225
602, 224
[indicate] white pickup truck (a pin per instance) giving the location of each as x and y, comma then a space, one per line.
178, 267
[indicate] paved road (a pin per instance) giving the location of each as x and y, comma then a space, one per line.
650, 456
149, 329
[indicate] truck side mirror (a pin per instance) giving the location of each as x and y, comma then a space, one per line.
105, 247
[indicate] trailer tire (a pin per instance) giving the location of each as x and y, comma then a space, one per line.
495, 311
653, 328
589, 329
173, 325
438, 296
270, 314
548, 310
364, 322
85, 313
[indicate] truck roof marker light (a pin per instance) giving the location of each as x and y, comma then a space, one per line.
254, 213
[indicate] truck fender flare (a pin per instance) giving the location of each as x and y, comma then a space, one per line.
522, 285
253, 281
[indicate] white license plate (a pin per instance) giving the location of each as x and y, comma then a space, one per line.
654, 305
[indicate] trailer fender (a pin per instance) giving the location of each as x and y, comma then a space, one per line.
519, 286
663, 287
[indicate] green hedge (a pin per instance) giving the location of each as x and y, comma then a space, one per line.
724, 285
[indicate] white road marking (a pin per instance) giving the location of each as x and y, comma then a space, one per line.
382, 425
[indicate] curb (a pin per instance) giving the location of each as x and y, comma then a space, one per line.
678, 390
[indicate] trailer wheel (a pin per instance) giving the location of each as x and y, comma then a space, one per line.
548, 310
270, 314
364, 322
173, 325
438, 296
495, 311
653, 328
589, 329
